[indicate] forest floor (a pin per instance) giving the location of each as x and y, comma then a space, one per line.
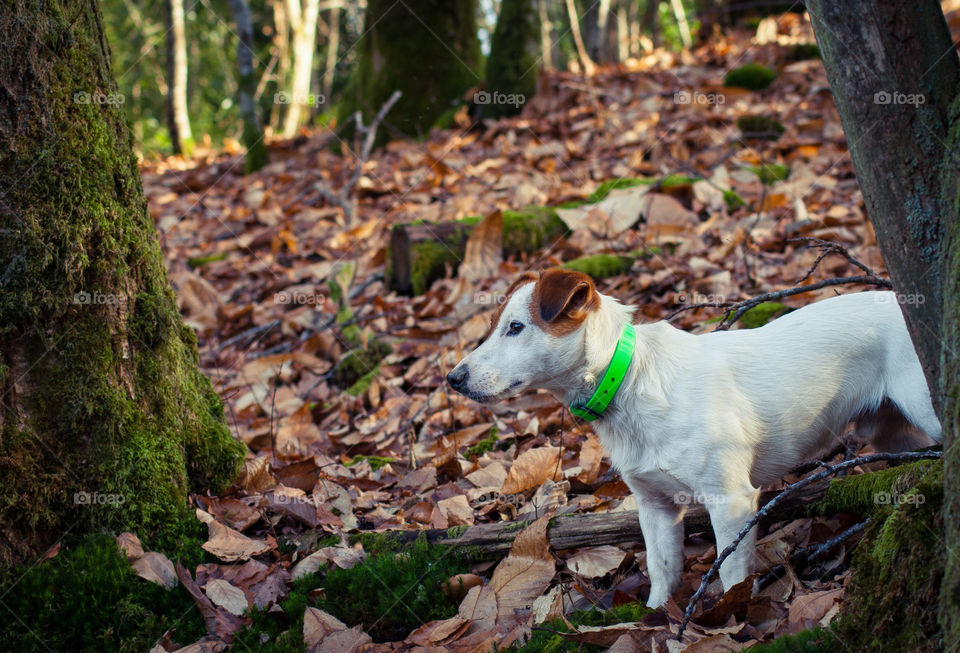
257, 262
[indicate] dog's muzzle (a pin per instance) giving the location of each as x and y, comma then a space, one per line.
458, 378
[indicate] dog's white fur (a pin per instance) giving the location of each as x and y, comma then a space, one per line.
718, 416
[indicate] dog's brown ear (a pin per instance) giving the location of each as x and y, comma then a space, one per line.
563, 298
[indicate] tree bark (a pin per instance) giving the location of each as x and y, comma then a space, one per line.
105, 419
896, 77
333, 49
252, 138
546, 29
585, 61
303, 22
178, 118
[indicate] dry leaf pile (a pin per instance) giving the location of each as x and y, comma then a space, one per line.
253, 258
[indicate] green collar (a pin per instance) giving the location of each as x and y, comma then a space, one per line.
611, 380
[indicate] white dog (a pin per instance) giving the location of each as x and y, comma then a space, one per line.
714, 416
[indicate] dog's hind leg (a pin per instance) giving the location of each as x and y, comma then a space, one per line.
661, 520
729, 511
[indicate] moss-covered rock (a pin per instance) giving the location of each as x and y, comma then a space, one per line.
751, 76
757, 126
601, 266
107, 422
513, 65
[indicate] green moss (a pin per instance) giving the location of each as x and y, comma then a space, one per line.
674, 180
456, 531
615, 184
816, 640
280, 632
530, 229
357, 368
751, 76
376, 462
601, 266
770, 172
111, 402
762, 314
489, 443
891, 602
802, 51
198, 261
429, 263
390, 594
88, 598
755, 126
864, 493
733, 200
545, 639
363, 383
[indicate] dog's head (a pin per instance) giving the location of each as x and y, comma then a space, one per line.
535, 339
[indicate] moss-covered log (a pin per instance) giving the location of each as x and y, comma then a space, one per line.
420, 253
428, 49
601, 266
106, 420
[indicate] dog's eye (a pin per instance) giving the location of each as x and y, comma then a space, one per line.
515, 328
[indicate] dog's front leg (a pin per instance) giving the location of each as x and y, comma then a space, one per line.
661, 521
729, 512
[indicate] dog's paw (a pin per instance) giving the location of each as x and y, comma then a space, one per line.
657, 598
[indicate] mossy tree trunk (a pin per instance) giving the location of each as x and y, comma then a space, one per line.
105, 419
428, 49
514, 59
896, 78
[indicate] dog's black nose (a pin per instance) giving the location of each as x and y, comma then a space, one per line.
458, 378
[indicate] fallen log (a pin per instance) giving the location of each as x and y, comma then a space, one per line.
419, 253
492, 541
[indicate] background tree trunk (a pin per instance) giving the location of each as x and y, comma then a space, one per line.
105, 418
178, 118
513, 64
252, 138
303, 23
427, 49
333, 49
896, 77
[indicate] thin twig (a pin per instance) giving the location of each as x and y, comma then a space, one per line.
787, 491
345, 198
804, 558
